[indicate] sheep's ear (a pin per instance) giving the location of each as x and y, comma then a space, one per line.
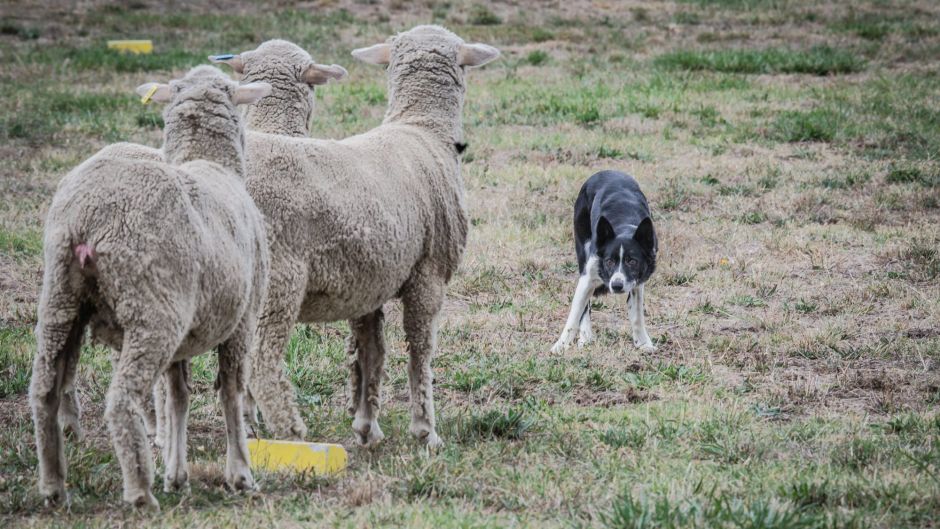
157, 92
250, 93
476, 54
235, 61
322, 73
378, 54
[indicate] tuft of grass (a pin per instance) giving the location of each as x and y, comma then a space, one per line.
537, 57
511, 424
16, 352
922, 258
752, 217
629, 437
820, 60
818, 124
21, 243
906, 174
481, 15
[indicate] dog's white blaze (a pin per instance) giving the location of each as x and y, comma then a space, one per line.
618, 274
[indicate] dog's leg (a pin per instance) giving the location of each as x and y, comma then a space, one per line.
585, 334
635, 309
582, 297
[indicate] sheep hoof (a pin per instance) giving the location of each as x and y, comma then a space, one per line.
433, 441
55, 497
426, 436
74, 431
242, 482
178, 484
368, 433
647, 347
145, 502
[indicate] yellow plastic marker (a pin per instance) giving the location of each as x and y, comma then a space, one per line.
131, 46
149, 94
322, 459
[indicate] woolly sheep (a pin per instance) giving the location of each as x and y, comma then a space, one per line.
287, 110
357, 222
164, 261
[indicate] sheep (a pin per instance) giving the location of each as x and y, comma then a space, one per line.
163, 260
357, 222
287, 110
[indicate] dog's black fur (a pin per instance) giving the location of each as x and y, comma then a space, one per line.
611, 212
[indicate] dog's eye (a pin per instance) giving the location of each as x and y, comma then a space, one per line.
609, 263
632, 263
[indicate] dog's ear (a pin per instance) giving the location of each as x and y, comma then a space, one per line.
646, 236
604, 232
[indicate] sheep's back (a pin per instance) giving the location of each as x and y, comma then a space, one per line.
159, 248
361, 212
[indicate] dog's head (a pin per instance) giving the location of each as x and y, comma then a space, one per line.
625, 260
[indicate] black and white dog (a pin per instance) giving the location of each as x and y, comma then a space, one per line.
616, 247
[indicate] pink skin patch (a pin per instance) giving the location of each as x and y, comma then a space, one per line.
84, 252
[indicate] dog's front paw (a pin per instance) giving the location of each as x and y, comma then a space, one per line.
564, 341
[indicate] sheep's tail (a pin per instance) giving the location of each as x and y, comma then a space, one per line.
85, 253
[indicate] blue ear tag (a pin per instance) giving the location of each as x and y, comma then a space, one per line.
226, 57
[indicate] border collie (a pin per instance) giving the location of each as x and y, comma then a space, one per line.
616, 247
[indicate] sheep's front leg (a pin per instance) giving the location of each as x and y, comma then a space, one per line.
366, 350
422, 305
233, 360
269, 384
59, 346
176, 474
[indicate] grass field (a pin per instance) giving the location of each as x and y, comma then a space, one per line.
791, 153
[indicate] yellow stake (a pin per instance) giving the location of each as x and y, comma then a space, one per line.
149, 94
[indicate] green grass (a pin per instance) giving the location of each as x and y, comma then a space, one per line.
794, 188
821, 60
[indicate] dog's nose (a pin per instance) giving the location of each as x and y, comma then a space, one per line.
616, 286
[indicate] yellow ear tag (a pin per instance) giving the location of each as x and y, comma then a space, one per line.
146, 99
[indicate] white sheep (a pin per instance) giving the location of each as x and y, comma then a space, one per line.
355, 223
287, 110
164, 261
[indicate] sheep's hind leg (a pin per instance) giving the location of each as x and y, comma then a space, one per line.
268, 382
59, 340
233, 360
176, 473
422, 303
142, 359
366, 352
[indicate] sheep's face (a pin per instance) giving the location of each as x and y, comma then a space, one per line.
292, 74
